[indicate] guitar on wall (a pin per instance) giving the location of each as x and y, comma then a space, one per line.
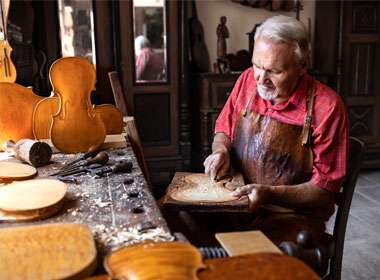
7, 68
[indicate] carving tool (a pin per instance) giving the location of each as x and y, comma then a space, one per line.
89, 154
101, 158
122, 166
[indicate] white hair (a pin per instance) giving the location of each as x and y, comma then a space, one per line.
283, 29
140, 43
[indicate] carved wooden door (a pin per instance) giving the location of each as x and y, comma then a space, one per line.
347, 57
360, 80
153, 99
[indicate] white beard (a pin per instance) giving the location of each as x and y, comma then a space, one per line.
267, 94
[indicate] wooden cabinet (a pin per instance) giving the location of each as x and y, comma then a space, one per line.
211, 93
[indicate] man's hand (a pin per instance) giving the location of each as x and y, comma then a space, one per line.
217, 164
305, 195
257, 195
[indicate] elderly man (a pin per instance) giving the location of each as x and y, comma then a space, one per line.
149, 64
285, 131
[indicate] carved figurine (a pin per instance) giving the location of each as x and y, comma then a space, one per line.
222, 33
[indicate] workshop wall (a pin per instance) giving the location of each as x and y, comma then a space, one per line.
241, 20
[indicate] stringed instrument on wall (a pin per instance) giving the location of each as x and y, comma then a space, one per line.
7, 68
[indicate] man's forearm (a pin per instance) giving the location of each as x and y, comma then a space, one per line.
305, 195
221, 143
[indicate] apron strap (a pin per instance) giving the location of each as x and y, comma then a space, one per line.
306, 131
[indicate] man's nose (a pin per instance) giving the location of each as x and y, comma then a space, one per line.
263, 76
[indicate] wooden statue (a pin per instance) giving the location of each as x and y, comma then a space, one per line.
222, 33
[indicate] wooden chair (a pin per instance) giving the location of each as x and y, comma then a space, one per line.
130, 124
326, 257
117, 91
343, 201
134, 139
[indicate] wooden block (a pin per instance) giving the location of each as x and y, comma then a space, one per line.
246, 242
54, 251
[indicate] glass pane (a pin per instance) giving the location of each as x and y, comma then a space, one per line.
76, 20
150, 40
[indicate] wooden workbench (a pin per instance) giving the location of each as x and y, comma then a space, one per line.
118, 208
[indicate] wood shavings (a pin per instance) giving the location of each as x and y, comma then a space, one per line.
100, 203
115, 237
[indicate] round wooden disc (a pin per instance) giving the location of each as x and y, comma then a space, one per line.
16, 171
31, 215
31, 194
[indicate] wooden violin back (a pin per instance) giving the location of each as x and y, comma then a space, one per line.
42, 117
49, 107
160, 260
75, 127
16, 111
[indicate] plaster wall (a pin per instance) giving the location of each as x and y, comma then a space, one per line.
241, 20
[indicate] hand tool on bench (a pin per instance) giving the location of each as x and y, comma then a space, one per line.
101, 158
122, 166
89, 154
79, 169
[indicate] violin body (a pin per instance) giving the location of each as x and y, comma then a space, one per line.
75, 127
16, 111
155, 260
48, 106
7, 68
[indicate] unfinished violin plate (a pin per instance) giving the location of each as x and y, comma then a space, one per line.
16, 111
31, 194
13, 171
200, 188
196, 192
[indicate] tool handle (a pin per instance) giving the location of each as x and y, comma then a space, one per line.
123, 166
101, 158
89, 154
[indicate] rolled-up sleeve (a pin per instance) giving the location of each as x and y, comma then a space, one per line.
330, 142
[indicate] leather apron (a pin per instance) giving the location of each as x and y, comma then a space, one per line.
269, 152
274, 153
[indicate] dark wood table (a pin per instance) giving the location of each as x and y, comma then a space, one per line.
118, 207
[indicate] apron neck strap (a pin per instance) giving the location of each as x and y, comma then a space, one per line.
306, 131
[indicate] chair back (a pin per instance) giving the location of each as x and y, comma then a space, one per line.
117, 91
343, 201
130, 124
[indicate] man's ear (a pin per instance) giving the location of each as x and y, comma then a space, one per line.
305, 64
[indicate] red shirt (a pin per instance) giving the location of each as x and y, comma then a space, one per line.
329, 125
149, 65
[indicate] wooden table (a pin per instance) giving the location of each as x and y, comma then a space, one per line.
118, 208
